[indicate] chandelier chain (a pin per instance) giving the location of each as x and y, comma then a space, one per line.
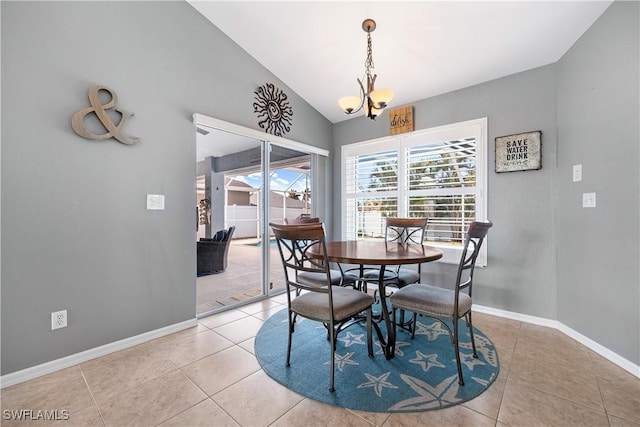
368, 63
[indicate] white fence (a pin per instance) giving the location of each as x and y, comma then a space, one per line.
247, 219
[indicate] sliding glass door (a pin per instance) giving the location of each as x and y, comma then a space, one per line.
246, 179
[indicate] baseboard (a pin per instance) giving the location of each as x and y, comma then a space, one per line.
75, 359
613, 357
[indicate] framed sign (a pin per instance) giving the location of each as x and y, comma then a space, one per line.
401, 120
519, 152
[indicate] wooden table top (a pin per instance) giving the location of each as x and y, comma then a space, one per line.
379, 253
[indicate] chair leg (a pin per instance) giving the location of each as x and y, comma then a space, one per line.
473, 341
369, 333
457, 350
333, 358
291, 323
414, 321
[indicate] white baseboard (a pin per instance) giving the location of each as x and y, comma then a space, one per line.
75, 359
613, 357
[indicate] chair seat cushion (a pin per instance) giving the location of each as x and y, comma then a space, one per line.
320, 279
429, 300
346, 303
404, 277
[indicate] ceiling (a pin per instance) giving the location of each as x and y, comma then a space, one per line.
420, 48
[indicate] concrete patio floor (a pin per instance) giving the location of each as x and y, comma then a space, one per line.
241, 281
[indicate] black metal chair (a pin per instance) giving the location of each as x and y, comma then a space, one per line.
401, 230
212, 253
447, 304
338, 277
334, 306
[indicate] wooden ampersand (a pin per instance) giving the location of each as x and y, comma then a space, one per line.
113, 130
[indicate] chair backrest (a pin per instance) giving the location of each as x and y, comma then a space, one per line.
295, 243
300, 221
405, 230
474, 237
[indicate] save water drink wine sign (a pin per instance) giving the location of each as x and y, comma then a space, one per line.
518, 152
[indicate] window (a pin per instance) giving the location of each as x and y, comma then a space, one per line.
439, 173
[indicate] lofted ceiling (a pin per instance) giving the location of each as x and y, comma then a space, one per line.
420, 48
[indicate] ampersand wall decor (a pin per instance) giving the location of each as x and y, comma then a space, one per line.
274, 111
99, 109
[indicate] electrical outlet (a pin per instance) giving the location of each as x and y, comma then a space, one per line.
58, 319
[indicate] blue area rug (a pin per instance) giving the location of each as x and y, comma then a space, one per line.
422, 376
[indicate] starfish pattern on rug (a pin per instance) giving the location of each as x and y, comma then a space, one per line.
427, 361
469, 360
484, 347
428, 396
342, 361
432, 331
350, 339
484, 382
377, 383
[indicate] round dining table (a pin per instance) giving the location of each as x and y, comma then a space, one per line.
380, 254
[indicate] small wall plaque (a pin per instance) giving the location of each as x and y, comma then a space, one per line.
401, 120
519, 152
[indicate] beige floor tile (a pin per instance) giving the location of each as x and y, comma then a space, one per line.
622, 397
524, 406
113, 374
257, 400
488, 403
249, 345
259, 306
204, 414
185, 349
619, 422
375, 418
222, 318
454, 416
264, 315
222, 369
62, 390
240, 330
319, 414
558, 366
152, 402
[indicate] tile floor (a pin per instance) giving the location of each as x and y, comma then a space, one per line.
208, 376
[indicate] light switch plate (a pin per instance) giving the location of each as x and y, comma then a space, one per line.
155, 202
588, 200
577, 173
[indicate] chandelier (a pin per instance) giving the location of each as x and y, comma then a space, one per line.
370, 100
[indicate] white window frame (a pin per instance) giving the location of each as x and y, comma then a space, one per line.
473, 128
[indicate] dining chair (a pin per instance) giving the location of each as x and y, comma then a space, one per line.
334, 306
401, 230
339, 276
447, 304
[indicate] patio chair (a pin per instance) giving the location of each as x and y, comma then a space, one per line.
213, 252
447, 304
333, 306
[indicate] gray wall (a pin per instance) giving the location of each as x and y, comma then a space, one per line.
598, 117
518, 103
75, 231
548, 257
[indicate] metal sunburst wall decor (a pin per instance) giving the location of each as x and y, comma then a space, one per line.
274, 111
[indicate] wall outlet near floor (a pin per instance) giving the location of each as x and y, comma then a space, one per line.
58, 319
